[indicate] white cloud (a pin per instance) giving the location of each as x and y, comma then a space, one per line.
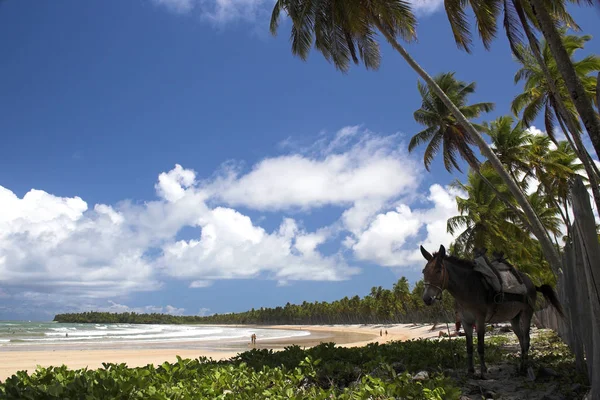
178, 6
204, 312
231, 246
121, 308
200, 284
425, 7
372, 170
225, 11
384, 242
171, 185
386, 235
222, 12
59, 251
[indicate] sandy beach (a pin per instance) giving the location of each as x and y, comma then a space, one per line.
342, 335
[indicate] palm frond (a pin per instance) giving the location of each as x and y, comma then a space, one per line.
512, 28
549, 123
431, 150
486, 14
421, 137
455, 11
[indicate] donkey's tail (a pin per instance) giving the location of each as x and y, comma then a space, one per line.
551, 296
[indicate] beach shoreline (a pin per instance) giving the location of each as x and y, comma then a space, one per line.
14, 360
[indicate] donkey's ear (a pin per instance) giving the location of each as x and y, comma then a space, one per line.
426, 254
442, 251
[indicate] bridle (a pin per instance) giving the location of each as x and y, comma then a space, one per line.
445, 278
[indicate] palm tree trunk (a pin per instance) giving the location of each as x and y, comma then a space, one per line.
561, 109
576, 149
588, 164
598, 92
499, 195
538, 230
566, 206
563, 61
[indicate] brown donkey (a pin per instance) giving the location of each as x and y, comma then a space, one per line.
475, 301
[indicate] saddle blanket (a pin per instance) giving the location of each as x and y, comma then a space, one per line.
509, 283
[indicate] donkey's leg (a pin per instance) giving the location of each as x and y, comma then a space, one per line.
517, 328
468, 327
480, 343
525, 322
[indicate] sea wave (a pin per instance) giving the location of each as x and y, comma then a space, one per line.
51, 334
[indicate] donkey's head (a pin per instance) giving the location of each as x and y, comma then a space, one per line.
435, 276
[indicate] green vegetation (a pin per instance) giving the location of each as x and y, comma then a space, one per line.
376, 371
380, 306
322, 372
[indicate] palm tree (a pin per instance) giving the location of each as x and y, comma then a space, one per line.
484, 221
530, 158
442, 128
342, 29
509, 142
538, 95
554, 169
517, 15
576, 89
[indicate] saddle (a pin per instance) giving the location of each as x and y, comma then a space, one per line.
502, 278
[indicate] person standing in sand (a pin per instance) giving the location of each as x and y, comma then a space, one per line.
380, 332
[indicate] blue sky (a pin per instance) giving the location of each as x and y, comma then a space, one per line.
173, 156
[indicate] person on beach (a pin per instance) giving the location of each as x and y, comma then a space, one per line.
380, 332
386, 332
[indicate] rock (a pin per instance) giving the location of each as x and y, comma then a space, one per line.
544, 372
452, 373
227, 391
398, 367
494, 370
489, 394
530, 374
553, 397
576, 387
505, 329
421, 376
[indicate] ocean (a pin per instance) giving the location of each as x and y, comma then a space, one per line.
19, 335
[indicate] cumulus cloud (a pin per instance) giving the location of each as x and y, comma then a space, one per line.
200, 284
115, 307
68, 255
54, 242
231, 246
425, 7
222, 12
60, 250
365, 173
384, 241
171, 185
178, 6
